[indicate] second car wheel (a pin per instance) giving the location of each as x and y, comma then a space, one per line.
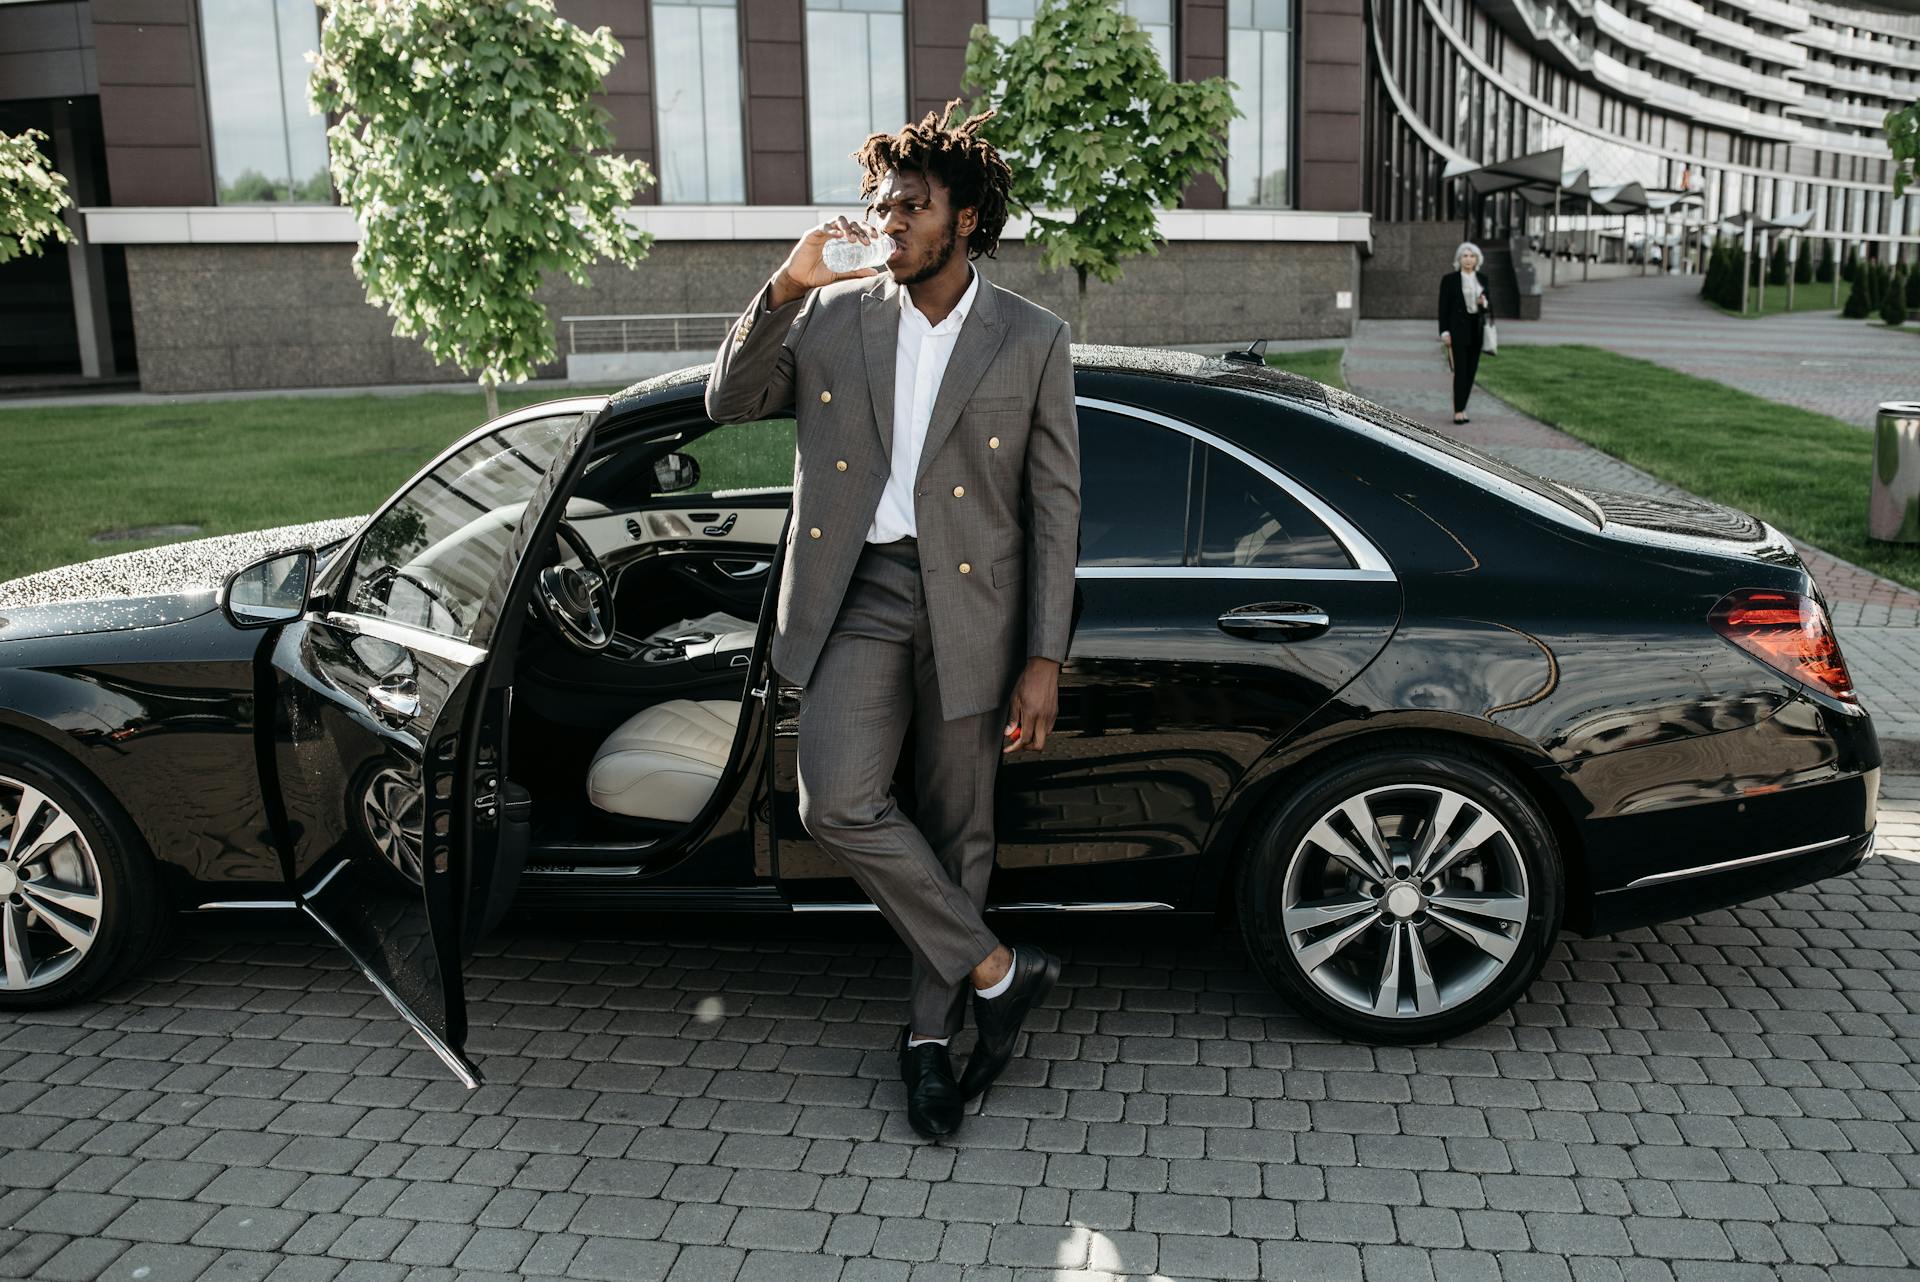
80, 905
1403, 895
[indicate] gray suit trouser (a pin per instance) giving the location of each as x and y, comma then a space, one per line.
875, 678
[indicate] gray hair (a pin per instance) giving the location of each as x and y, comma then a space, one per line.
1467, 247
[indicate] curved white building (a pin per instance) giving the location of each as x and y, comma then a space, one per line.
1767, 107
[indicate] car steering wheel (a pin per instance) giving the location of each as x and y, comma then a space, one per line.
576, 601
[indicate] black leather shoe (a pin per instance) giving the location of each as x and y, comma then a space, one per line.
997, 1020
933, 1100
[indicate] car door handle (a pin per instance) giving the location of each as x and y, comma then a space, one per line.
1282, 621
395, 700
737, 569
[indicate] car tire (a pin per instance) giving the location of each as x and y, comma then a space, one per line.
105, 850
1460, 948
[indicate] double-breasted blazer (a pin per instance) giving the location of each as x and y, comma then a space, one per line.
996, 494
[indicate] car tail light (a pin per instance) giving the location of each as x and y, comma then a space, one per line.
1789, 633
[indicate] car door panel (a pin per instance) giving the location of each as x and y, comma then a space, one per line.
385, 742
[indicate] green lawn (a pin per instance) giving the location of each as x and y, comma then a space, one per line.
1319, 363
1803, 472
1816, 297
224, 466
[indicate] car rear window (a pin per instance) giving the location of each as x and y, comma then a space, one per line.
1465, 455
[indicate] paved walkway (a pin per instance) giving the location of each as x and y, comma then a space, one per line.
1398, 364
1734, 1098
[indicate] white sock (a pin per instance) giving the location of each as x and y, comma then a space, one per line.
1006, 981
913, 1041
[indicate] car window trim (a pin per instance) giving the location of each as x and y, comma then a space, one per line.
1368, 562
452, 649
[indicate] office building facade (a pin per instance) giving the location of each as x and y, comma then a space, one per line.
215, 254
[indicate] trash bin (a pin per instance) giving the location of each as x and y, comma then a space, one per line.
1893, 506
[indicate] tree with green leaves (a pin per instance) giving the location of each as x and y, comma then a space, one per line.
32, 194
1098, 136
1824, 274
1913, 288
1903, 140
1803, 264
1777, 262
469, 147
1893, 304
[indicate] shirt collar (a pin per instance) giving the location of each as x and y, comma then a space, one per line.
956, 317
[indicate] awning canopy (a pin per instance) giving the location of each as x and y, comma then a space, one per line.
1621, 198
1536, 169
1798, 221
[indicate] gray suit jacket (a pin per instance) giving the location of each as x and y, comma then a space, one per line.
997, 494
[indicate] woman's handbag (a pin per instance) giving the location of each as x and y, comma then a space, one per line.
1490, 341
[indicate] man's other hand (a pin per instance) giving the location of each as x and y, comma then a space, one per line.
1036, 704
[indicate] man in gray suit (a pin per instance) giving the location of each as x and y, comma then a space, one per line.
927, 580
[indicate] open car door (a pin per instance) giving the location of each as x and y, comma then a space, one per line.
402, 837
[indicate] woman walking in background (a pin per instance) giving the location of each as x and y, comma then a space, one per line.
1463, 318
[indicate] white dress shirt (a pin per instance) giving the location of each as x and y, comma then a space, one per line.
919, 363
1470, 291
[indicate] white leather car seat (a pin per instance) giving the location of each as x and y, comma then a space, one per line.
665, 761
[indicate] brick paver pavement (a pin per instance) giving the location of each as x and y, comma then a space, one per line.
1727, 1099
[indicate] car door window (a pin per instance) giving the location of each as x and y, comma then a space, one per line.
1134, 478
1248, 521
430, 558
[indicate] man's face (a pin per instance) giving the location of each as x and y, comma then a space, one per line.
926, 229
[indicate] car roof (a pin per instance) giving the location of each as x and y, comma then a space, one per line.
1164, 363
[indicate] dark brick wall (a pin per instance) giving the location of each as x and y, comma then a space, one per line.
1332, 62
628, 96
46, 51
214, 317
1200, 46
775, 85
153, 102
937, 50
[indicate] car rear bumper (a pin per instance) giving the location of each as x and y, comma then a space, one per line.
1736, 880
1690, 825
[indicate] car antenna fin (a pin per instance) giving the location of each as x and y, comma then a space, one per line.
1252, 354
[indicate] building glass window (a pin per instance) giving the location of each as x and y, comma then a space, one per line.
268, 145
856, 86
1260, 141
1011, 19
696, 74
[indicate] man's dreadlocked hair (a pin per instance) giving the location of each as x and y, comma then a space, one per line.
958, 157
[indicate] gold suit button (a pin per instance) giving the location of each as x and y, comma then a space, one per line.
993, 442
840, 465
825, 397
814, 533
959, 491
965, 568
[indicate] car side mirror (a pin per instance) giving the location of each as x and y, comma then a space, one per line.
269, 591
674, 472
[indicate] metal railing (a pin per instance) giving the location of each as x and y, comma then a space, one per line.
659, 332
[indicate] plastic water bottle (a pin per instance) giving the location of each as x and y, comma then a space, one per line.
849, 255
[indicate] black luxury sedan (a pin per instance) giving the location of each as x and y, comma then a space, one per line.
1395, 709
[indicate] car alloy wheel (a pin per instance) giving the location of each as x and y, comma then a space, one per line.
51, 895
1403, 892
1405, 901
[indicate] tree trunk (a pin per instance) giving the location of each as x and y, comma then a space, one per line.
493, 398
1080, 317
